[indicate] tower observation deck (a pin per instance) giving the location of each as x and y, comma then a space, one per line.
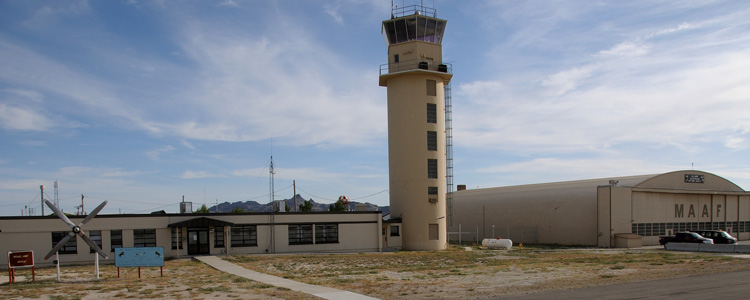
415, 77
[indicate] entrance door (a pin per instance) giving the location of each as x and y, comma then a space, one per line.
198, 241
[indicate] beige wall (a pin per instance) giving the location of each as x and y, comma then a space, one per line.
358, 232
407, 144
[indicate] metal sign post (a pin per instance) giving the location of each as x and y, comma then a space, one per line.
18, 259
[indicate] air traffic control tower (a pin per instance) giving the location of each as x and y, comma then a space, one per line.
415, 77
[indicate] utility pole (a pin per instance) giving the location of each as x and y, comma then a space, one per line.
57, 196
83, 211
41, 187
294, 183
273, 209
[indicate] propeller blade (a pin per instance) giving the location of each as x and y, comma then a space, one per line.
60, 214
93, 245
93, 213
59, 245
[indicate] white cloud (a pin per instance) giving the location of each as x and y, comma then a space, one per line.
156, 153
199, 174
18, 118
333, 12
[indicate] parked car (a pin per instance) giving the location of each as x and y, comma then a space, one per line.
684, 237
719, 236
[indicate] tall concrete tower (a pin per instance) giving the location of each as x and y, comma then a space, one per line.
415, 77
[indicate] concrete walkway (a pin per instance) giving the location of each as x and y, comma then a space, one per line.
315, 290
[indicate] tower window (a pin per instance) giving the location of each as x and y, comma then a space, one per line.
432, 190
432, 140
432, 168
431, 113
395, 58
431, 87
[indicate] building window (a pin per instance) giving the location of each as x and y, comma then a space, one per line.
115, 239
300, 234
431, 113
96, 237
395, 58
432, 141
432, 168
144, 237
244, 236
432, 190
433, 232
218, 237
394, 230
176, 238
70, 247
326, 233
431, 87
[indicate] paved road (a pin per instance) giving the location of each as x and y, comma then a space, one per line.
733, 285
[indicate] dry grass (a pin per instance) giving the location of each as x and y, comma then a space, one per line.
452, 274
183, 279
458, 274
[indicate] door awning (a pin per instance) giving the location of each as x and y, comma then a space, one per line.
201, 222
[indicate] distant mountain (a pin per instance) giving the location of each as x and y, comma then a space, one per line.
253, 206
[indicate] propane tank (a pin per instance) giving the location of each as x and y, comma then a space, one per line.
497, 243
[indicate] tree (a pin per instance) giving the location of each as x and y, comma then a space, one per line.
238, 209
338, 206
306, 206
202, 210
286, 207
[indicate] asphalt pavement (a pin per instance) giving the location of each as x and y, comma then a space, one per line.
732, 285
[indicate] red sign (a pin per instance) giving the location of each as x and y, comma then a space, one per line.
21, 259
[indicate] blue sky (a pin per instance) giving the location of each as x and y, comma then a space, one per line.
142, 102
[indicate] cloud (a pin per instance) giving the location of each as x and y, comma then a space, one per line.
18, 118
200, 174
333, 12
156, 153
308, 174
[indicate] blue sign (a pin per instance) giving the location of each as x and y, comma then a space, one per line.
139, 257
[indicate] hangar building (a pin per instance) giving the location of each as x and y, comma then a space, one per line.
607, 212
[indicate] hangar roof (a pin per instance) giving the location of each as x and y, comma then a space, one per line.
677, 180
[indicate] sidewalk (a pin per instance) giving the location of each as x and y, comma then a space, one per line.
315, 290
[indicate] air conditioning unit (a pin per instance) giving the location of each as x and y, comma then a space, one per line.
433, 200
423, 65
443, 68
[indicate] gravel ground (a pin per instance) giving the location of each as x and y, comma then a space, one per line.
452, 274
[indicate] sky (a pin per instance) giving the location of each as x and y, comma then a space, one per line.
142, 103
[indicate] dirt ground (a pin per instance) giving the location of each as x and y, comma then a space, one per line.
452, 274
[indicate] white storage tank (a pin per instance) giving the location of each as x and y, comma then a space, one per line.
497, 243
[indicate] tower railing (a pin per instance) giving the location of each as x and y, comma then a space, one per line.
415, 64
409, 10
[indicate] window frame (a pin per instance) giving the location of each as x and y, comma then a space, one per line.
326, 233
176, 238
144, 237
96, 238
244, 235
115, 239
300, 234
397, 230
432, 113
432, 168
432, 140
71, 247
220, 236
